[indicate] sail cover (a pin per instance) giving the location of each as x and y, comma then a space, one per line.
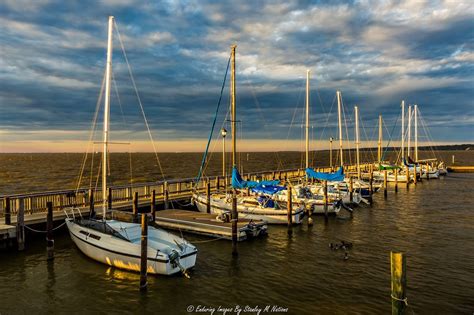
239, 183
334, 177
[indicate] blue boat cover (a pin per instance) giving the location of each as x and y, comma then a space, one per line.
239, 183
335, 177
268, 187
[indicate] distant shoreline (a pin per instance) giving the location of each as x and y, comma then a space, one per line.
451, 147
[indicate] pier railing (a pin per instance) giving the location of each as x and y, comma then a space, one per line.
174, 189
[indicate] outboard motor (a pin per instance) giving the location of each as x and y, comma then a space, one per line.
174, 260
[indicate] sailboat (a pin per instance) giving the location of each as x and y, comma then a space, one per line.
305, 193
338, 188
254, 200
117, 243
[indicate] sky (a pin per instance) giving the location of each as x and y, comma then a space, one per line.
377, 53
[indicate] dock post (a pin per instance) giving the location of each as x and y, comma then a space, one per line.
91, 203
427, 172
351, 189
135, 204
371, 184
235, 218
8, 219
289, 206
218, 183
144, 253
414, 174
165, 195
153, 204
326, 200
109, 199
399, 282
385, 184
396, 180
49, 231
20, 225
407, 172
452, 161
208, 197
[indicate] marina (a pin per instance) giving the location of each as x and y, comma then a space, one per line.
215, 175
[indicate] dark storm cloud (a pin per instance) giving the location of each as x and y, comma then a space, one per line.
53, 57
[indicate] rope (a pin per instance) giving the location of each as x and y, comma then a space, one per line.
390, 138
213, 124
206, 241
91, 135
405, 300
125, 124
38, 231
139, 102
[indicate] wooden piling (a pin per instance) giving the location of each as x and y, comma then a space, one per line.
427, 172
218, 183
8, 219
414, 175
385, 184
371, 184
351, 189
165, 195
325, 200
396, 180
289, 205
91, 203
135, 204
144, 253
20, 225
235, 218
407, 172
49, 231
399, 282
109, 199
208, 197
153, 205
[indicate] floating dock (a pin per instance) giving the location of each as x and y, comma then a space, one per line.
461, 169
208, 224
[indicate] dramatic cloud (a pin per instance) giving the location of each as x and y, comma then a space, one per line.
377, 53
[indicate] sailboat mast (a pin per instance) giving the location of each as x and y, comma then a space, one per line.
409, 132
339, 117
416, 133
403, 131
307, 118
379, 143
106, 116
232, 104
357, 142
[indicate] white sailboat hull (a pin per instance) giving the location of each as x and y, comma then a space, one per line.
123, 254
430, 174
270, 215
401, 178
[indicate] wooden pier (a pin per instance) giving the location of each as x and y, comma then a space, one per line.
207, 224
461, 169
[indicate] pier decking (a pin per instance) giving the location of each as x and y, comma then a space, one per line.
206, 224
